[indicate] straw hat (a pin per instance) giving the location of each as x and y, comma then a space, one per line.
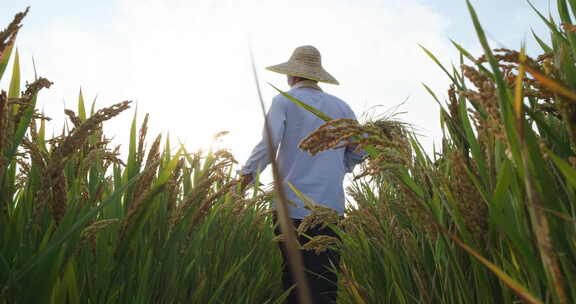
305, 62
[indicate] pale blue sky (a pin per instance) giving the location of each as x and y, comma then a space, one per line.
507, 20
44, 12
186, 62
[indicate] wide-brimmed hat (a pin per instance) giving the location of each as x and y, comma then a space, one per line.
305, 62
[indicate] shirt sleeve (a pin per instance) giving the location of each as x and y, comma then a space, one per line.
260, 156
351, 157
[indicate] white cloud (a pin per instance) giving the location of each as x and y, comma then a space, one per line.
187, 63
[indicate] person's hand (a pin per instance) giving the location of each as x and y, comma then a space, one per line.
245, 180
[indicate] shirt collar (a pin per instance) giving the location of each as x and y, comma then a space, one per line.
307, 84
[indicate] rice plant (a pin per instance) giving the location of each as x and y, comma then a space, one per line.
491, 217
81, 225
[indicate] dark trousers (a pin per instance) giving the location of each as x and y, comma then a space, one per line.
323, 283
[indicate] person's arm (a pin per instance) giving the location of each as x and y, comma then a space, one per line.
353, 158
260, 156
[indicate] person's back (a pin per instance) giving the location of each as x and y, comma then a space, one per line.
318, 177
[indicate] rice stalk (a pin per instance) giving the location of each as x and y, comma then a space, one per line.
294, 257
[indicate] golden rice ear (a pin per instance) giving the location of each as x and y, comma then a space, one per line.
8, 39
321, 243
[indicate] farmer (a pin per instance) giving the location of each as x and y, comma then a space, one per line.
318, 177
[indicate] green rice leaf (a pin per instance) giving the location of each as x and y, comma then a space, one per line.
573, 6
5, 58
93, 107
567, 170
473, 143
545, 47
305, 199
227, 278
303, 105
4, 265
20, 132
438, 63
498, 77
81, 107
132, 168
557, 34
76, 226
14, 91
70, 282
463, 51
516, 287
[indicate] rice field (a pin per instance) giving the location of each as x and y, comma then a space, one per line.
488, 218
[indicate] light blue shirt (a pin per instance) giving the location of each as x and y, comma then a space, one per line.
319, 177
